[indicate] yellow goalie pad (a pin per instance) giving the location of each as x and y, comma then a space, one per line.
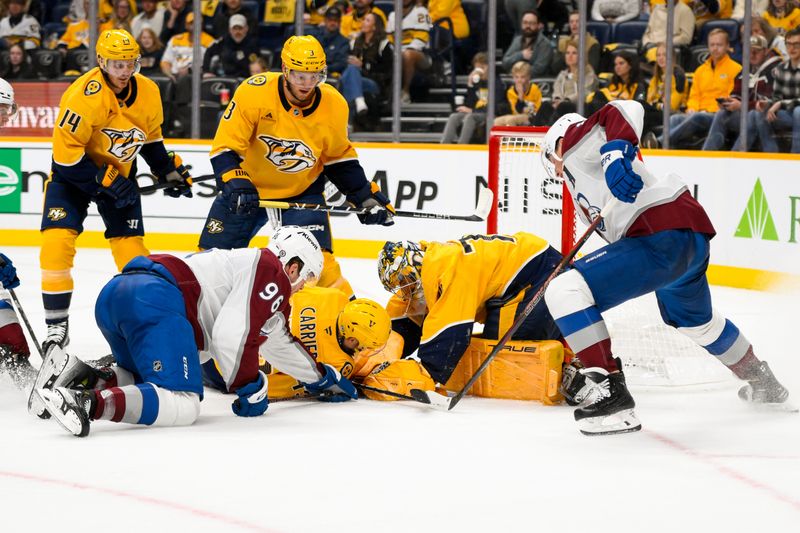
398, 376
523, 370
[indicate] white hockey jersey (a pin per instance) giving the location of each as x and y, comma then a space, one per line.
26, 32
416, 26
664, 202
239, 305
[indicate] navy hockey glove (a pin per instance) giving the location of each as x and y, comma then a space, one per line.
178, 177
622, 181
340, 388
380, 208
122, 190
8, 274
252, 399
240, 194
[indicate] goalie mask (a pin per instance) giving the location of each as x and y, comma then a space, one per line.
365, 321
400, 268
290, 242
554, 133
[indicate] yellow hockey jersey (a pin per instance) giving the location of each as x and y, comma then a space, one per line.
109, 128
284, 148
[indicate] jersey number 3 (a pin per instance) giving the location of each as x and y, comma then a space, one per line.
71, 119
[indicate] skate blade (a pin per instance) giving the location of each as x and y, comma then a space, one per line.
624, 421
785, 407
36, 405
52, 367
64, 413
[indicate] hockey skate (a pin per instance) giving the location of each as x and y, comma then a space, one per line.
57, 335
763, 388
607, 408
70, 408
17, 366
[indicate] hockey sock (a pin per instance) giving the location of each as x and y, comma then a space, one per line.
117, 377
147, 404
722, 339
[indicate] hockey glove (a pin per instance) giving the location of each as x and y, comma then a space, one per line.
339, 388
240, 193
252, 399
178, 177
122, 190
622, 181
8, 274
380, 208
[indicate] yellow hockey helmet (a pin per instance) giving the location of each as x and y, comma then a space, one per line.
400, 268
117, 44
303, 54
366, 321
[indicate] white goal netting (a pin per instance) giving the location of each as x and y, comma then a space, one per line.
529, 200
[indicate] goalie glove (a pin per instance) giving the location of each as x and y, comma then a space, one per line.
178, 177
622, 181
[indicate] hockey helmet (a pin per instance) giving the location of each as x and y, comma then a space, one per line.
554, 133
8, 107
304, 54
117, 45
289, 242
366, 321
400, 268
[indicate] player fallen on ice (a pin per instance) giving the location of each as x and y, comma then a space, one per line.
659, 238
14, 350
164, 316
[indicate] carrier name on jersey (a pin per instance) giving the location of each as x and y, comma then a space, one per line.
288, 155
308, 329
124, 144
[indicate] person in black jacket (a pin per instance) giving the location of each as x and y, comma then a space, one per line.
220, 22
336, 45
231, 55
370, 64
18, 67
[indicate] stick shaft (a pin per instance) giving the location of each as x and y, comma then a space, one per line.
158, 186
21, 313
386, 392
359, 211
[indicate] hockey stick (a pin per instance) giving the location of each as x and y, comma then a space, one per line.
21, 313
447, 403
165, 185
484, 205
386, 392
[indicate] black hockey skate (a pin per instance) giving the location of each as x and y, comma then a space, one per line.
762, 387
57, 335
70, 408
608, 406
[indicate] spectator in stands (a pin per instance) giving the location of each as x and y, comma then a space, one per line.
705, 10
565, 89
515, 9
470, 117
258, 65
775, 39
416, 27
152, 15
592, 46
550, 10
656, 32
120, 19
655, 89
523, 96
179, 54
453, 10
174, 19
759, 6
782, 15
616, 11
336, 46
32, 8
760, 82
152, 49
18, 66
19, 27
315, 11
531, 45
231, 55
76, 36
782, 111
370, 65
711, 81
225, 10
105, 10
351, 22
626, 83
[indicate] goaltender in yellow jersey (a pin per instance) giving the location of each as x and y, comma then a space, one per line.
280, 137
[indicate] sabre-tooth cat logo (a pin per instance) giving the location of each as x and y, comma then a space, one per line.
56, 213
288, 155
124, 145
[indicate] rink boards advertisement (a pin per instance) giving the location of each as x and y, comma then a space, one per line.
753, 201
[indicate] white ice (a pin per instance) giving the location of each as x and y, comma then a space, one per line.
704, 461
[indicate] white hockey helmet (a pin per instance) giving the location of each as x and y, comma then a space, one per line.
289, 242
8, 107
554, 133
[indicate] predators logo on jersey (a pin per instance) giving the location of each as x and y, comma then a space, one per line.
92, 87
56, 213
288, 155
124, 145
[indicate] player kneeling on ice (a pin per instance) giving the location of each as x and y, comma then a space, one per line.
658, 239
442, 288
164, 316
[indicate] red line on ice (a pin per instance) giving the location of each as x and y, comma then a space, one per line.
228, 520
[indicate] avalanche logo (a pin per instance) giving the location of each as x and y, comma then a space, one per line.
590, 212
56, 213
214, 226
288, 155
124, 145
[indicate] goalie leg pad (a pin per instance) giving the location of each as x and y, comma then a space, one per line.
399, 376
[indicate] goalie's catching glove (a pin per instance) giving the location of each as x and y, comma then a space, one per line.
380, 208
178, 177
252, 400
123, 191
337, 387
622, 181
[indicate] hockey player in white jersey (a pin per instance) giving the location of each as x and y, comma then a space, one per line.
658, 237
164, 316
8, 107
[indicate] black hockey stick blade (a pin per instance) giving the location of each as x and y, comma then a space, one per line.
166, 185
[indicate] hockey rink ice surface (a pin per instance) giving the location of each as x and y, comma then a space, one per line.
704, 461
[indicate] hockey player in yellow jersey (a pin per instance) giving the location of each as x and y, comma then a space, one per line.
440, 289
280, 137
107, 117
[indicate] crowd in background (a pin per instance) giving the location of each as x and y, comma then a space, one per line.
537, 70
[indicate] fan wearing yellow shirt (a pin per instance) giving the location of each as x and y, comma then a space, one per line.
106, 118
280, 137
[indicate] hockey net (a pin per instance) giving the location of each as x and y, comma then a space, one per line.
527, 199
